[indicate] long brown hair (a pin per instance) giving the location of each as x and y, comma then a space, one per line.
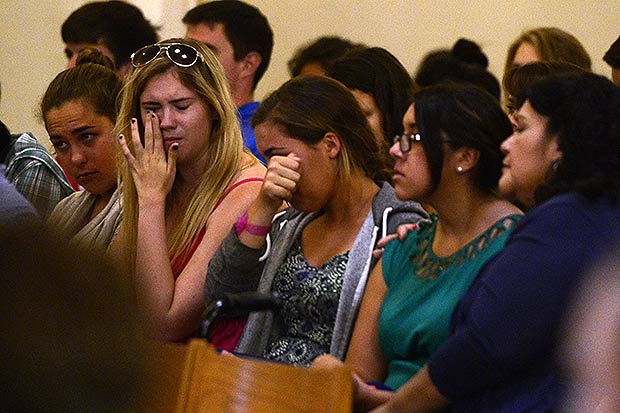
92, 81
308, 107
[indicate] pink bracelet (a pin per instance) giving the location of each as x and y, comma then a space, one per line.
258, 230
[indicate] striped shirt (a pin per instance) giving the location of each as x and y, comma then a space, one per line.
36, 174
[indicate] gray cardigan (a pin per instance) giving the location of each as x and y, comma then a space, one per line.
236, 268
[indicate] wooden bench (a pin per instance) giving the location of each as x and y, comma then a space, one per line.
195, 378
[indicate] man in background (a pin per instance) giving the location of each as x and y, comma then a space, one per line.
115, 28
242, 40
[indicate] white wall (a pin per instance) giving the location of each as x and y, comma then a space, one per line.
411, 28
31, 49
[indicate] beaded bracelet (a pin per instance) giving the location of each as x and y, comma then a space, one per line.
243, 225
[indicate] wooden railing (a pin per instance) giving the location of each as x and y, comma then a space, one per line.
195, 378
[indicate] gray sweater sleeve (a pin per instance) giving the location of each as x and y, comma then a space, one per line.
234, 268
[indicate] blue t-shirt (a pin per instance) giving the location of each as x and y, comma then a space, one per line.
500, 354
245, 114
423, 290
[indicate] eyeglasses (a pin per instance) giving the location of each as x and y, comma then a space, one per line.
406, 140
180, 54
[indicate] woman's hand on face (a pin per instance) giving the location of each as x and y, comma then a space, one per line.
280, 181
152, 170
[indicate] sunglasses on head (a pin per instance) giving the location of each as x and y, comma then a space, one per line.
180, 54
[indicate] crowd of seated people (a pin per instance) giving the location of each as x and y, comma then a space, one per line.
412, 228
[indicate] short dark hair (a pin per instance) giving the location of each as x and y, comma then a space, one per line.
246, 28
583, 111
465, 62
612, 56
377, 72
324, 50
91, 80
120, 26
308, 107
469, 117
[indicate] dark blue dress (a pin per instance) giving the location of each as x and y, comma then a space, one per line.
500, 355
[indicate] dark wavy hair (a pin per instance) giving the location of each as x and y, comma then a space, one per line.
308, 107
469, 117
583, 111
519, 78
377, 72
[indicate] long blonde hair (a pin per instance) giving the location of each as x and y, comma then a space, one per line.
224, 147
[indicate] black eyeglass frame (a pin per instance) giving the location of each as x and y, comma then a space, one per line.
405, 141
165, 47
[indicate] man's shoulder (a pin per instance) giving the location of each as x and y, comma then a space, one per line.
247, 111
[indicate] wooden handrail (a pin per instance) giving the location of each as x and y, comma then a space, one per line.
196, 378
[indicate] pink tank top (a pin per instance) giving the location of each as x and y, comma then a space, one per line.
226, 333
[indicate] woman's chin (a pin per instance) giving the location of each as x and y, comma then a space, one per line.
401, 193
505, 188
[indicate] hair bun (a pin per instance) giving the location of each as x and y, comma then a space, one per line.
469, 52
92, 55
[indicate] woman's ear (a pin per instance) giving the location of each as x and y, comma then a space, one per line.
553, 150
466, 159
331, 143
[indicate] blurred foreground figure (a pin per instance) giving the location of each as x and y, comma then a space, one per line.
69, 338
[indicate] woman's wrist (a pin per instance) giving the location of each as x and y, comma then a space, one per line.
151, 201
367, 397
242, 225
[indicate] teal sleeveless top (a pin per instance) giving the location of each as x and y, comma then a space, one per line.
423, 290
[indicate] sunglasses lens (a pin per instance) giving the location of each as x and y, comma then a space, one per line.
183, 55
145, 55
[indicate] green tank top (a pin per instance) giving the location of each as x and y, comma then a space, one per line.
423, 290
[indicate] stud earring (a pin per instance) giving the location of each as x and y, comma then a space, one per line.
459, 169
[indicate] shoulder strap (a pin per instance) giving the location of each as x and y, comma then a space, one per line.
235, 185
